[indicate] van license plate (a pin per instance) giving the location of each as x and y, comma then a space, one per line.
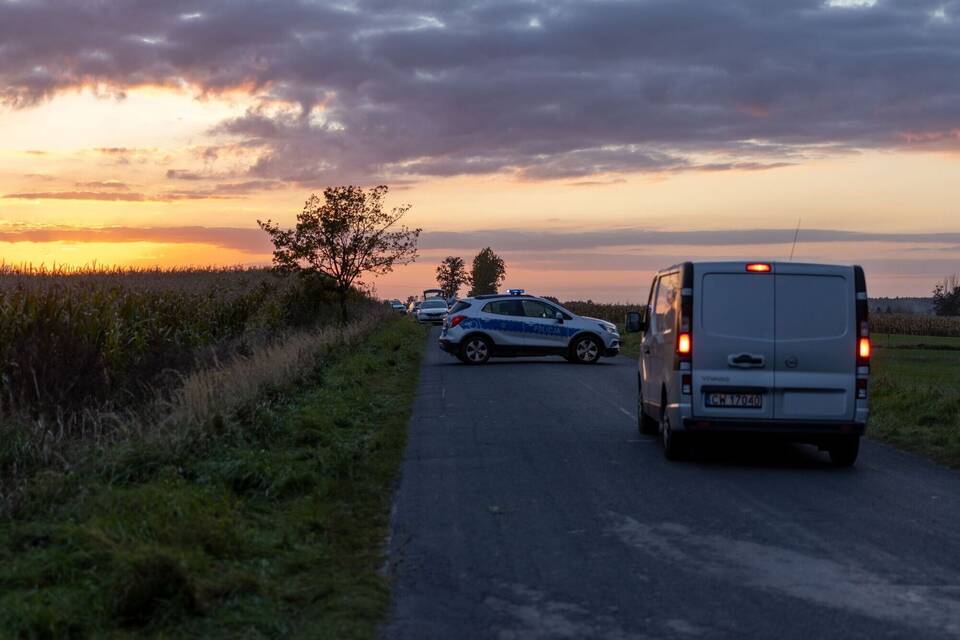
735, 400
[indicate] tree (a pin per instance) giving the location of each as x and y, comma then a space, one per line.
451, 275
487, 273
946, 297
343, 236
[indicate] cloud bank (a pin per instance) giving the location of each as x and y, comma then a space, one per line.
543, 89
254, 241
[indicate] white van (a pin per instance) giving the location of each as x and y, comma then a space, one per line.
767, 347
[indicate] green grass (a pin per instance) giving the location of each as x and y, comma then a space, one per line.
915, 395
895, 341
271, 529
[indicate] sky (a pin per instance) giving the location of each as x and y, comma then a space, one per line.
588, 142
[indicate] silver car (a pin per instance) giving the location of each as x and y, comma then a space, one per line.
432, 310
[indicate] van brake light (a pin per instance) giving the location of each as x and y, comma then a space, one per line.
759, 267
864, 349
684, 344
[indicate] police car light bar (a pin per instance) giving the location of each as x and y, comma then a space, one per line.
515, 292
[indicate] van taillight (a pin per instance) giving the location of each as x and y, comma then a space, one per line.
684, 344
455, 320
861, 388
759, 267
863, 350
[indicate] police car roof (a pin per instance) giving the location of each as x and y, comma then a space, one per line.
491, 296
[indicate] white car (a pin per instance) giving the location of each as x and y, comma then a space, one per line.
516, 324
432, 310
780, 349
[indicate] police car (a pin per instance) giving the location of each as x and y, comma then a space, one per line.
516, 324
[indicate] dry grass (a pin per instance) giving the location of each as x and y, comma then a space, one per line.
206, 402
210, 394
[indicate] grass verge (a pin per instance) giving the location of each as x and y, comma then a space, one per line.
273, 528
915, 395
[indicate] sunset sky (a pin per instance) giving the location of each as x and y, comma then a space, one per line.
589, 142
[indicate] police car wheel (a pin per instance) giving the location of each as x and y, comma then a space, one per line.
585, 350
475, 350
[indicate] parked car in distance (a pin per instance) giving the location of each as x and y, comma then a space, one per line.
432, 293
516, 324
774, 348
432, 310
396, 305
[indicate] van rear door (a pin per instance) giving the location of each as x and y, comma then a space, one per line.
815, 368
733, 342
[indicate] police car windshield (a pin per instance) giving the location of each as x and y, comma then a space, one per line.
433, 304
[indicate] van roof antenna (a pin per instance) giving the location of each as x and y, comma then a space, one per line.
795, 236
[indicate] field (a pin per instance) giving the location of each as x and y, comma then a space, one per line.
915, 385
269, 526
915, 395
89, 357
183, 454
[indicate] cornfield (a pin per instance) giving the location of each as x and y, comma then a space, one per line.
611, 312
915, 325
72, 340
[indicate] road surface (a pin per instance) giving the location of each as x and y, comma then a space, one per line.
529, 507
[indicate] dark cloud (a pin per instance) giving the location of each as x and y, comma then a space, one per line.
183, 174
79, 195
538, 240
217, 193
104, 184
544, 89
622, 248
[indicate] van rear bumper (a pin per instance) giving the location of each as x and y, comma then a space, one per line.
774, 427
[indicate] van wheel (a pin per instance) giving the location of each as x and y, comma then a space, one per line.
674, 444
843, 453
585, 350
475, 350
645, 424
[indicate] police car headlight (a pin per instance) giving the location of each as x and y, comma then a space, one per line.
609, 329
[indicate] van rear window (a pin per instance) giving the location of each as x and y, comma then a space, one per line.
812, 306
738, 305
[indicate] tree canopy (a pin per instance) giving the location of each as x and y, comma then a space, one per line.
946, 297
487, 273
343, 236
451, 275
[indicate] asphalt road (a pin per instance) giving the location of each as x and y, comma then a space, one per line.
529, 507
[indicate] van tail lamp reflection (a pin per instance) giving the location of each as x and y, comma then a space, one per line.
684, 345
759, 267
861, 388
864, 349
455, 320
686, 384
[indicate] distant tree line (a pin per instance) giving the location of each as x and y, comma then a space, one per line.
486, 274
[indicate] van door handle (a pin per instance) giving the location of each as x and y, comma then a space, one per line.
746, 360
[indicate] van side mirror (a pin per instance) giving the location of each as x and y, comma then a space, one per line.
636, 321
